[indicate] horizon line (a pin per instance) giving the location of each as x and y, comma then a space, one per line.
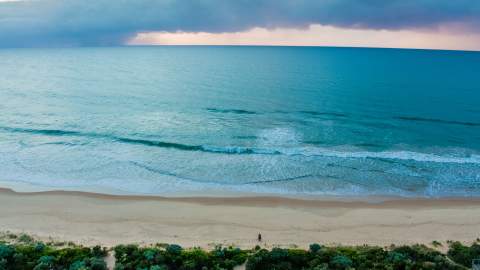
240, 45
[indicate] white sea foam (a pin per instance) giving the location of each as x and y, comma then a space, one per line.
325, 152
395, 155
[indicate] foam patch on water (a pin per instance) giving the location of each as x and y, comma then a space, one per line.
281, 136
399, 155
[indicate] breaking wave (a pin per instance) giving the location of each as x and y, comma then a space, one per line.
241, 150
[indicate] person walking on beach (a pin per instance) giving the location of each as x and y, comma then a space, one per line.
259, 237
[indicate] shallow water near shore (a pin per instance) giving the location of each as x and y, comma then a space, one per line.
262, 120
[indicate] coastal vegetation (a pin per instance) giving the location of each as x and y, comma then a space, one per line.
318, 257
172, 257
362, 257
25, 253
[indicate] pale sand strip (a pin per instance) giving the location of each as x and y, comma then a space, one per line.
89, 218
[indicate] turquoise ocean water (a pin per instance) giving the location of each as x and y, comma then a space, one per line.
276, 120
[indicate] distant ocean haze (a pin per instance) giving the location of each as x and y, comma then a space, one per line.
263, 120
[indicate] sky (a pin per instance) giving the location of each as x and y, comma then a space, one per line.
428, 24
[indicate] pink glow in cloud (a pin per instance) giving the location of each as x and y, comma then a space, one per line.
318, 35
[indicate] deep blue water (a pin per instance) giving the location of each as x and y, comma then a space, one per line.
281, 120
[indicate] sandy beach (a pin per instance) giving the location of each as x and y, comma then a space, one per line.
89, 218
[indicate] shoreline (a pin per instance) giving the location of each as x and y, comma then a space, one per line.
226, 196
267, 200
93, 218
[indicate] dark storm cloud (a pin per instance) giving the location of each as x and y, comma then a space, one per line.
110, 22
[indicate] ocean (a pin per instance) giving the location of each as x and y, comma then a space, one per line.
287, 121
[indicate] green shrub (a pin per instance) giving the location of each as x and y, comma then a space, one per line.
359, 258
157, 267
132, 257
341, 262
6, 251
174, 249
314, 248
96, 263
278, 259
463, 254
39, 256
26, 239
